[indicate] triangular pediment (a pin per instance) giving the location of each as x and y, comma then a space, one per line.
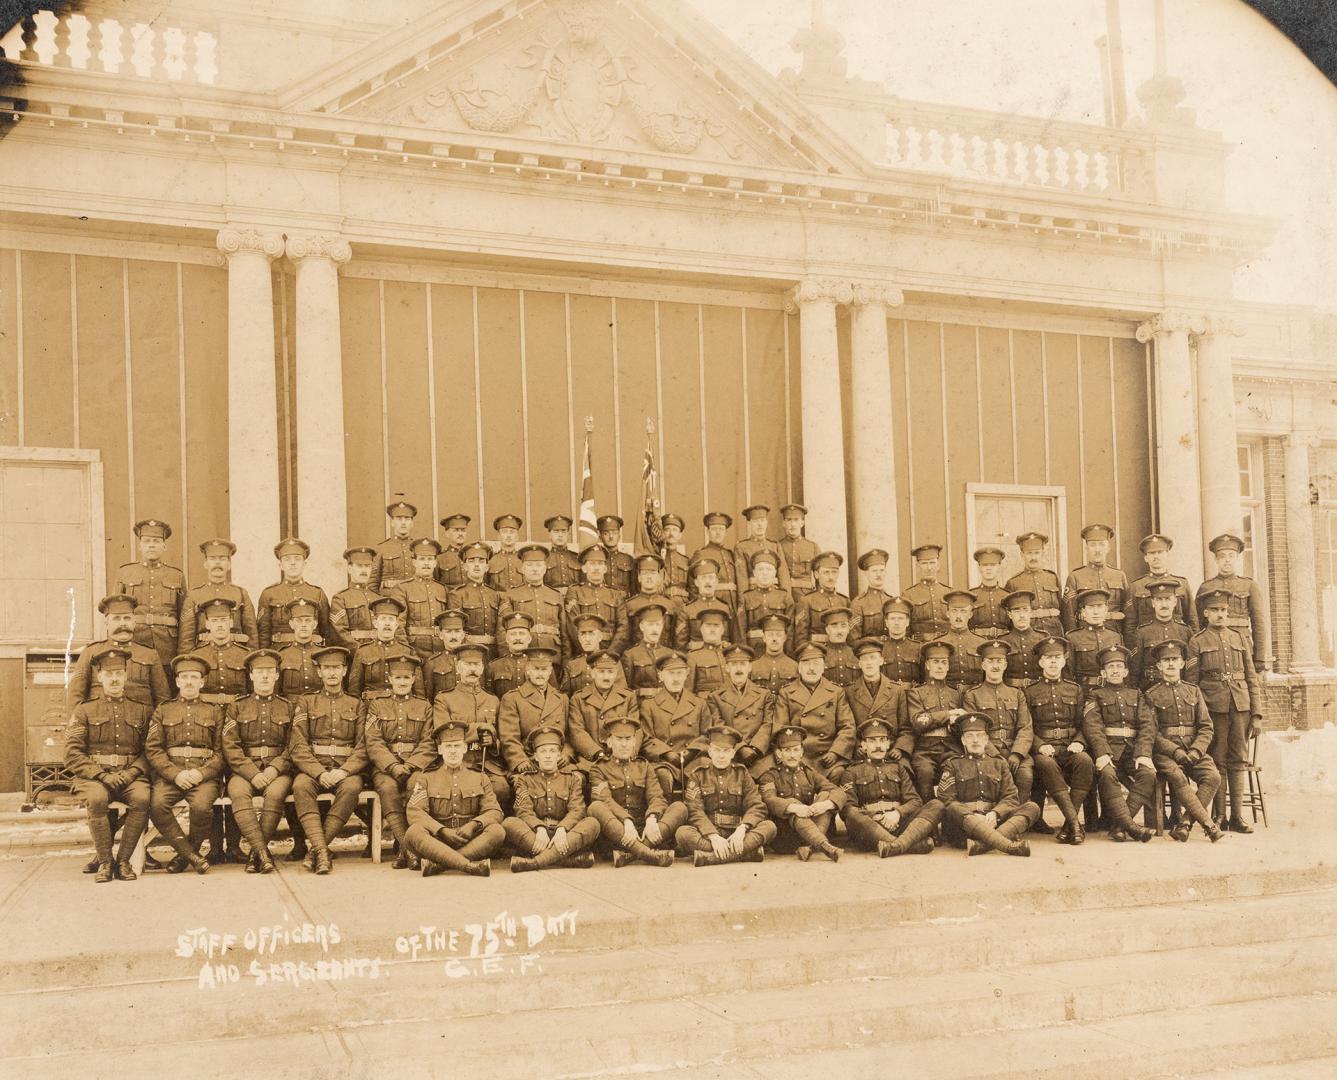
600, 73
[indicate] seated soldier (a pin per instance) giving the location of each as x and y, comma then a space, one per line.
627, 800
820, 708
607, 698
531, 706
471, 705
674, 722
104, 752
549, 822
745, 706
1120, 728
979, 798
883, 810
454, 819
722, 796
438, 674
328, 747
256, 729
773, 669
1061, 763
705, 662
800, 799
930, 706
591, 633
1183, 741
399, 742
1010, 729
842, 666
183, 749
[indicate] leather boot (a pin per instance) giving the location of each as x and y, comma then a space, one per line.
580, 860
478, 867
889, 849
549, 856
1122, 824
645, 853
979, 835
705, 858
753, 849
299, 835
917, 837
1237, 823
437, 857
1071, 832
100, 827
260, 861
1188, 799
186, 856
1013, 830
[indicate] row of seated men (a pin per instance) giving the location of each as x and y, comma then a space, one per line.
1067, 735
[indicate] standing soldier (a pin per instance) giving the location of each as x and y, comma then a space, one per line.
989, 620
883, 812
873, 696
507, 671
1183, 742
533, 705
728, 588
744, 706
1040, 582
329, 749
271, 613
1062, 765
674, 721
255, 748
398, 730
394, 559
550, 825
592, 597
1138, 609
468, 703
1091, 637
650, 590
705, 662
842, 666
503, 568
1164, 599
802, 800
145, 678
1010, 729
705, 579
797, 549
369, 672
819, 707
226, 677
746, 550
542, 603
454, 818
1248, 613
868, 605
964, 671
1096, 573
218, 569
104, 752
808, 615
589, 640
438, 674
722, 796
930, 707
928, 595
1023, 665
980, 799
298, 673
1120, 728
423, 597
628, 801
765, 598
621, 566
562, 565
350, 608
640, 663
774, 668
450, 563
677, 566
184, 751
1220, 666
900, 652
478, 601
159, 588
606, 699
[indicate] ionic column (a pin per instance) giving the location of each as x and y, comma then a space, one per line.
1218, 456
252, 403
322, 482
873, 468
815, 301
1178, 491
1300, 552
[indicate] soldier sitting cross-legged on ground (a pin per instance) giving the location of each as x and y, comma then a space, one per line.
726, 817
981, 807
883, 811
550, 825
800, 798
628, 801
454, 819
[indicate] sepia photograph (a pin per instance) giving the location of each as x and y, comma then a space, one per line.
874, 461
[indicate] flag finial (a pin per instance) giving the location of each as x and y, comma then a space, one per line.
649, 425
589, 424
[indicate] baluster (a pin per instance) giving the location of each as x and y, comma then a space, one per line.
957, 164
1081, 179
1041, 172
1021, 165
78, 49
893, 143
110, 54
935, 158
1061, 176
998, 166
11, 44
174, 48
914, 156
61, 41
44, 36
1101, 170
979, 155
206, 57
142, 37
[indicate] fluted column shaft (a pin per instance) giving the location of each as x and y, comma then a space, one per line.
1300, 552
1218, 441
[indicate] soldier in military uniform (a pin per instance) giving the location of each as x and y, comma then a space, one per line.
1040, 582
561, 564
550, 825
868, 605
873, 696
450, 562
801, 799
720, 796
842, 666
746, 550
453, 815
980, 800
1023, 665
650, 585
930, 706
542, 603
473, 706
329, 749
1183, 742
104, 753
1010, 728
820, 708
640, 663
628, 802
592, 597
1090, 637
728, 587
298, 674
184, 752
159, 588
507, 671
1248, 612
900, 652
369, 673
1096, 573
1120, 729
254, 740
1163, 626
674, 721
621, 566
478, 601
504, 572
438, 674
764, 598
1138, 610
927, 596
606, 698
398, 729
533, 705
271, 613
883, 812
1220, 666
677, 566
218, 570
744, 706
989, 619
808, 612
965, 670
423, 597
797, 549
350, 608
225, 680
774, 668
705, 662
1062, 765
394, 560
589, 640
704, 575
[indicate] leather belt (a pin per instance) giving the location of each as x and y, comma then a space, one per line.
1180, 732
189, 753
727, 820
395, 582
360, 635
1045, 613
403, 747
455, 821
262, 753
990, 632
1056, 734
115, 760
726, 586
1221, 677
155, 620
1119, 732
1239, 620
219, 699
543, 628
331, 750
480, 639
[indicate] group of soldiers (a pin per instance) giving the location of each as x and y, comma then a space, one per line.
532, 699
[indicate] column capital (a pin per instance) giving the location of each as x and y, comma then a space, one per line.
1220, 326
1308, 439
319, 246
818, 290
1172, 322
871, 292
246, 239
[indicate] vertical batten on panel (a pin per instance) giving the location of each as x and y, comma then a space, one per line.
1012, 402
979, 406
1081, 438
617, 407
287, 404
1044, 400
701, 391
1114, 448
659, 405
524, 419
478, 416
915, 538
430, 328
129, 402
789, 419
946, 453
747, 427
74, 351
576, 476
1153, 422
385, 395
181, 405
18, 345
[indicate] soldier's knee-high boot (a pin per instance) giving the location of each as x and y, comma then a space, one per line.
813, 837
917, 837
100, 828
646, 854
260, 861
1188, 799
1071, 832
438, 857
269, 823
549, 856
1013, 829
314, 831
398, 825
1238, 783
1122, 824
136, 821
988, 839
170, 831
298, 830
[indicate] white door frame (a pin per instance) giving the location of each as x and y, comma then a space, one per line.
1058, 497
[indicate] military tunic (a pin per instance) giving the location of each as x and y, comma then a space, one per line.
1248, 612
842, 666
930, 706
1142, 666
900, 661
145, 682
989, 619
964, 668
774, 672
824, 714
542, 603
398, 733
623, 791
1011, 731
1109, 578
1023, 666
928, 609
184, 735
393, 566
244, 631
728, 589
808, 616
298, 674
271, 613
586, 599
453, 816
718, 801
759, 605
744, 552
350, 616
705, 669
799, 554
749, 711
732, 622
104, 752
868, 621
507, 673
674, 734
886, 701
639, 665
254, 739
479, 604
621, 575
563, 570
161, 592
1138, 610
438, 675
226, 679
1047, 608
1087, 643
592, 709
423, 600
449, 567
523, 711
479, 711
1220, 666
874, 788
504, 571
677, 575
675, 633
781, 786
